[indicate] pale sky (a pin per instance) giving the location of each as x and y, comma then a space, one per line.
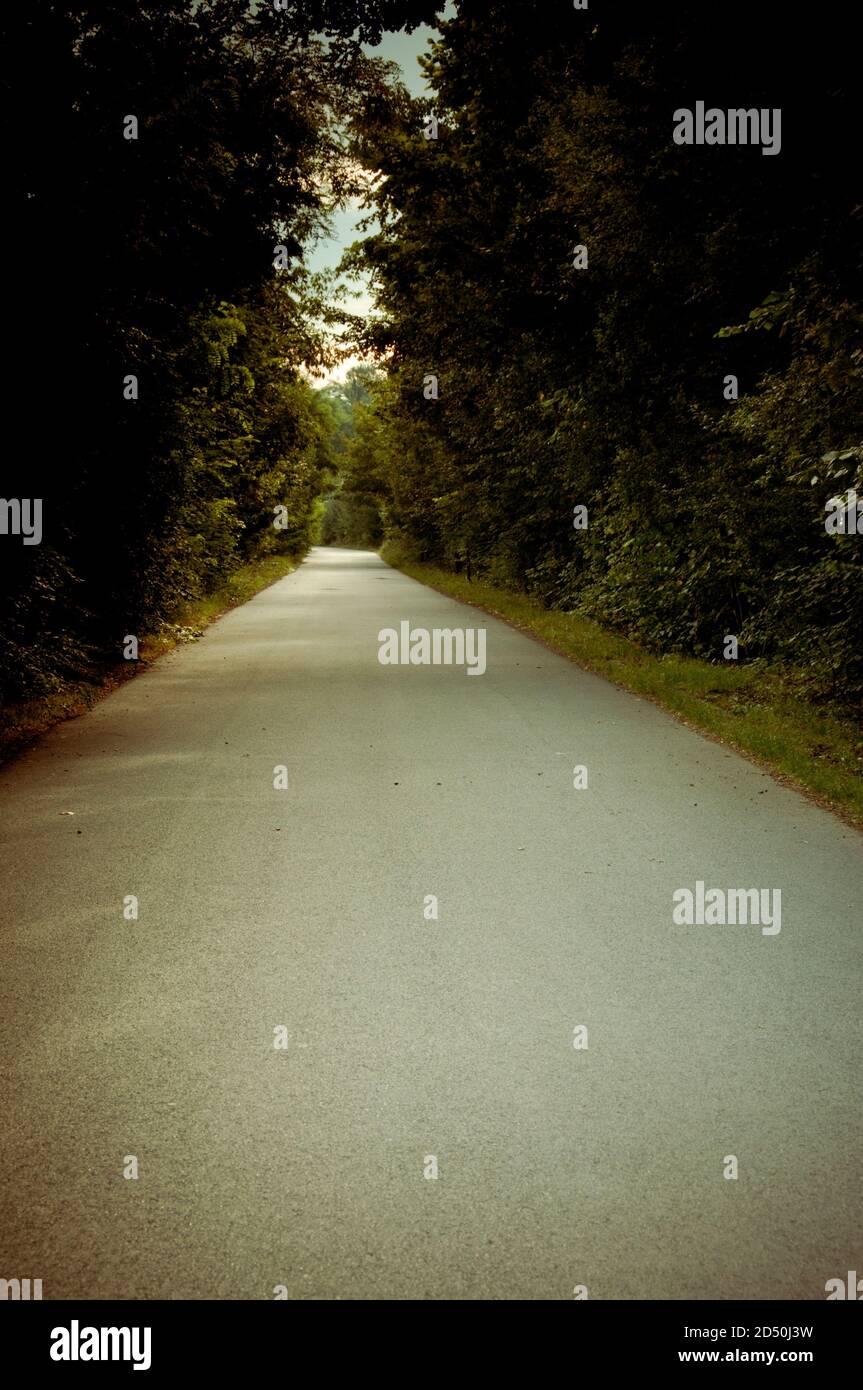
403, 49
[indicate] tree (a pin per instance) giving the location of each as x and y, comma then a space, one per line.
170, 165
595, 377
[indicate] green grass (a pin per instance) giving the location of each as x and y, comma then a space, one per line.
190, 620
752, 709
25, 720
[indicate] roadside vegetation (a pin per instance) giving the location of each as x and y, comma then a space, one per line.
755, 709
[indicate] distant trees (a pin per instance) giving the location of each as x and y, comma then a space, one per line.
351, 514
583, 289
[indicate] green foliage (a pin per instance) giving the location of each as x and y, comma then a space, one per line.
155, 257
604, 387
352, 515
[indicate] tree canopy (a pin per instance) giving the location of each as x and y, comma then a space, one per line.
691, 376
171, 162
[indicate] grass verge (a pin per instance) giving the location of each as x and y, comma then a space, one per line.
25, 720
752, 709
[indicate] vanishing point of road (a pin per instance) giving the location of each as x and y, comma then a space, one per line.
289, 1045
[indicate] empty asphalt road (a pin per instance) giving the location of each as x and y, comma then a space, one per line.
410, 1039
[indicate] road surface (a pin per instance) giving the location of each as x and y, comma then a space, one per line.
415, 1044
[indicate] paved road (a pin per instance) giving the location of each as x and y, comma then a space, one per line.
410, 1038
